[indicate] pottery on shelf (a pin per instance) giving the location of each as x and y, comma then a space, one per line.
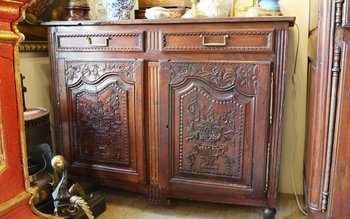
194, 12
215, 8
97, 10
157, 13
77, 10
271, 5
118, 9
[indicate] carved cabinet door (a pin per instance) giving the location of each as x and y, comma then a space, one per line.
102, 122
214, 129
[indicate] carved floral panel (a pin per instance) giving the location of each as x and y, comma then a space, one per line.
221, 75
92, 71
212, 104
101, 125
210, 140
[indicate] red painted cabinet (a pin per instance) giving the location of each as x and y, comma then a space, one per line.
14, 190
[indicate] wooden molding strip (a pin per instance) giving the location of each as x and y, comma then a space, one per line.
331, 125
33, 46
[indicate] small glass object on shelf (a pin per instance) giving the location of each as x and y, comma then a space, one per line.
270, 5
118, 9
266, 8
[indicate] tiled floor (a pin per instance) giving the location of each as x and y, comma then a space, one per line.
126, 205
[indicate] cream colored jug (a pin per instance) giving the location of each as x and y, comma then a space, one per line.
215, 8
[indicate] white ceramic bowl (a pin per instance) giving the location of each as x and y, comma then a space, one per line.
157, 13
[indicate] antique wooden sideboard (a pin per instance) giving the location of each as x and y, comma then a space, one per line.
183, 109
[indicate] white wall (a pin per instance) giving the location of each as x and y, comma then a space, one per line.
295, 103
36, 68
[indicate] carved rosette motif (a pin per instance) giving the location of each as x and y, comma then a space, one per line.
221, 75
210, 135
91, 71
102, 125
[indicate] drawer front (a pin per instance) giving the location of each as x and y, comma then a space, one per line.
126, 41
230, 41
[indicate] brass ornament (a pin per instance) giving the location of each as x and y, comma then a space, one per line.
67, 202
80, 202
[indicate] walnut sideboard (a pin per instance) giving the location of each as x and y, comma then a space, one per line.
173, 109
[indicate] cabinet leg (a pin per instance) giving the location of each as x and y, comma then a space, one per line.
156, 196
269, 213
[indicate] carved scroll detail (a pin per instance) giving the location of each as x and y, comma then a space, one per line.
92, 71
220, 75
102, 128
210, 141
332, 117
338, 12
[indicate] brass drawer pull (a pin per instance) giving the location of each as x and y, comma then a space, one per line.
214, 44
105, 44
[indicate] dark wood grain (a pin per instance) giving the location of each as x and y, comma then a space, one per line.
317, 108
248, 20
327, 166
216, 127
340, 175
213, 114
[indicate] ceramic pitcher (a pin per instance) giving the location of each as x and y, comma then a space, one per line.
118, 9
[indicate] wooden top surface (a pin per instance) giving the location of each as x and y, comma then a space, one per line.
35, 113
290, 20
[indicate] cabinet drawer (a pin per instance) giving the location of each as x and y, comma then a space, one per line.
128, 41
223, 42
